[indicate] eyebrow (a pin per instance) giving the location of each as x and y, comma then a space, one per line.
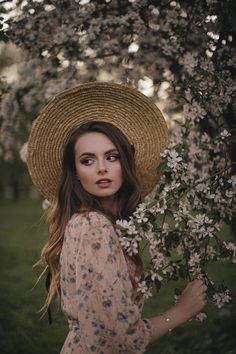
92, 154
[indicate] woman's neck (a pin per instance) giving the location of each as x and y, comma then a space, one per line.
109, 205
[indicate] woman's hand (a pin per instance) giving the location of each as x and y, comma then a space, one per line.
193, 299
190, 303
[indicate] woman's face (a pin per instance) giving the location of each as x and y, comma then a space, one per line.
98, 165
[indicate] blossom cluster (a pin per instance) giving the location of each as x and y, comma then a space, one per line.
180, 222
188, 46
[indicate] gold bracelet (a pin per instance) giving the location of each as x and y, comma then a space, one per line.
167, 320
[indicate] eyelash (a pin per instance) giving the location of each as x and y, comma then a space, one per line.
85, 161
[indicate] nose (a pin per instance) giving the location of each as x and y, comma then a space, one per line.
102, 167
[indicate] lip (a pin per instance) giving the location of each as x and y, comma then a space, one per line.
103, 181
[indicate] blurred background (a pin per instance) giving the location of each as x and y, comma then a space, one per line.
182, 54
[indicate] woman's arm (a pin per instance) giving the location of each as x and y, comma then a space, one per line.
109, 319
190, 303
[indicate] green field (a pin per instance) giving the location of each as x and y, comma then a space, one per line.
22, 236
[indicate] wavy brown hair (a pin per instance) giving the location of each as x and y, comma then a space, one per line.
71, 198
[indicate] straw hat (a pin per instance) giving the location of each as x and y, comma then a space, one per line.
132, 112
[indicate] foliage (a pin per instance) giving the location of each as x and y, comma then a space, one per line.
180, 221
188, 45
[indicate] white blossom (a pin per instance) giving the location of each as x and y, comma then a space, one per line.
45, 204
231, 247
201, 316
189, 60
194, 260
225, 134
24, 152
173, 160
221, 298
144, 289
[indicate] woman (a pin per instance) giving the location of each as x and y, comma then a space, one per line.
93, 153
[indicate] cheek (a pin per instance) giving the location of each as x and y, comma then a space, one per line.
84, 174
119, 173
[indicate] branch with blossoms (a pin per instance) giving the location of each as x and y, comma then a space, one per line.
181, 220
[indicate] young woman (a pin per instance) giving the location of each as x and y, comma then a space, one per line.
93, 153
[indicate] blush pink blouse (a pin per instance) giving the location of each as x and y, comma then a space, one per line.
96, 291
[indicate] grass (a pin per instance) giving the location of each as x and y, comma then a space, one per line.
22, 236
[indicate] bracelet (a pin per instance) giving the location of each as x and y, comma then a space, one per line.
167, 320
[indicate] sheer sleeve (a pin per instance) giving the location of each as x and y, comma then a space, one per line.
109, 320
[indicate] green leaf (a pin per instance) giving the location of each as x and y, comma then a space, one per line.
157, 285
169, 213
177, 291
161, 168
183, 272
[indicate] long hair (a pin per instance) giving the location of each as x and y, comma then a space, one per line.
70, 198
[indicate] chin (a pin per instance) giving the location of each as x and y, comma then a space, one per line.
105, 193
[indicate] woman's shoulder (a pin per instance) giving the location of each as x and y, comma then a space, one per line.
87, 218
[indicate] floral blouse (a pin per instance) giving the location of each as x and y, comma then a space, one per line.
96, 291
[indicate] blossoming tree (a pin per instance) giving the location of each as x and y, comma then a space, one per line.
188, 48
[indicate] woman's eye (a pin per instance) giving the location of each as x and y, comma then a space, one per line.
113, 157
90, 161
87, 162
